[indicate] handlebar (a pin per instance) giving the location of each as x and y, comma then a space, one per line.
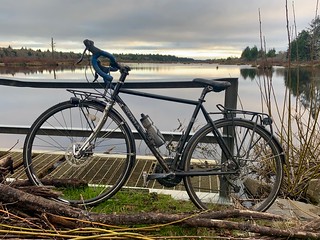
103, 71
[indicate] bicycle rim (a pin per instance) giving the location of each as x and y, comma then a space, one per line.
91, 178
255, 186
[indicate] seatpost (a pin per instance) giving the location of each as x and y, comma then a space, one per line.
204, 93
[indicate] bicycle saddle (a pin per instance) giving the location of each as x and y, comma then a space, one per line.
217, 86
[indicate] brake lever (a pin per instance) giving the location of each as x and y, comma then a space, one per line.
96, 76
82, 56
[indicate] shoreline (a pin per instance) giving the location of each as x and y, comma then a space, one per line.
38, 64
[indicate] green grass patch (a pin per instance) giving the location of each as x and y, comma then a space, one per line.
136, 201
130, 201
78, 193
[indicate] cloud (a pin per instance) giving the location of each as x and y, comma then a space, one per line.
166, 25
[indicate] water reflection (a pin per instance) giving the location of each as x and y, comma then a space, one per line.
252, 73
302, 82
147, 67
13, 71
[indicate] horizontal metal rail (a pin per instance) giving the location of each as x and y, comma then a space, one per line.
128, 85
230, 100
169, 136
23, 130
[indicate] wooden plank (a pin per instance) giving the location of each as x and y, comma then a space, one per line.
100, 167
43, 163
142, 165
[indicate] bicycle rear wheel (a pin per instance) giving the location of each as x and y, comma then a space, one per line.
91, 178
258, 179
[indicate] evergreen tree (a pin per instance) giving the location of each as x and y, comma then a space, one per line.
315, 37
254, 53
250, 54
271, 53
301, 47
307, 44
246, 53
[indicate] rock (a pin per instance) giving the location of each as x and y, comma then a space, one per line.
313, 192
294, 209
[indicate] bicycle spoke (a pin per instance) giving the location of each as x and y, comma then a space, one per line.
101, 169
256, 166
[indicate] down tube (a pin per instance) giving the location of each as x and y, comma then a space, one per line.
141, 132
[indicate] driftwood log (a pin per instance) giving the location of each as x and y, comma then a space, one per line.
71, 217
6, 166
51, 182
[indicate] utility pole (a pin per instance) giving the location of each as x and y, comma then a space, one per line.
52, 48
52, 52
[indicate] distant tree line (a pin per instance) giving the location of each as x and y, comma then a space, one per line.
151, 58
9, 52
27, 53
305, 47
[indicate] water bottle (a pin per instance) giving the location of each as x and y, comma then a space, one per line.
152, 131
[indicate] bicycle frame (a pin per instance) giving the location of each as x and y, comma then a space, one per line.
177, 162
183, 140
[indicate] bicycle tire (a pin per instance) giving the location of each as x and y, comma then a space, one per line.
258, 154
88, 180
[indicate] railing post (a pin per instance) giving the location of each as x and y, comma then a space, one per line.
230, 101
231, 94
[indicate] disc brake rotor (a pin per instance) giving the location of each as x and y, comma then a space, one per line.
77, 161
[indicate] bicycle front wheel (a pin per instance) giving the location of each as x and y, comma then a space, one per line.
99, 173
257, 169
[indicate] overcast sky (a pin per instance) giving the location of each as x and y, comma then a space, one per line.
193, 28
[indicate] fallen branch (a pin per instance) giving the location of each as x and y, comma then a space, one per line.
6, 166
60, 214
61, 182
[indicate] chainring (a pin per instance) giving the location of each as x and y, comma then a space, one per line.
171, 181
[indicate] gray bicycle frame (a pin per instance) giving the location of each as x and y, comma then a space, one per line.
115, 98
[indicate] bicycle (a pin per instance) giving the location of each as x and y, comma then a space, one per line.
85, 148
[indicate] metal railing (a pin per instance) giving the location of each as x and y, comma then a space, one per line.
230, 99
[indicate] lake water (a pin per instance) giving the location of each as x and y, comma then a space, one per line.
21, 106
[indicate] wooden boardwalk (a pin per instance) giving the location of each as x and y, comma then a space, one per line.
97, 166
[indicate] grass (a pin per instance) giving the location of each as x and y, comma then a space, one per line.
130, 201
137, 201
